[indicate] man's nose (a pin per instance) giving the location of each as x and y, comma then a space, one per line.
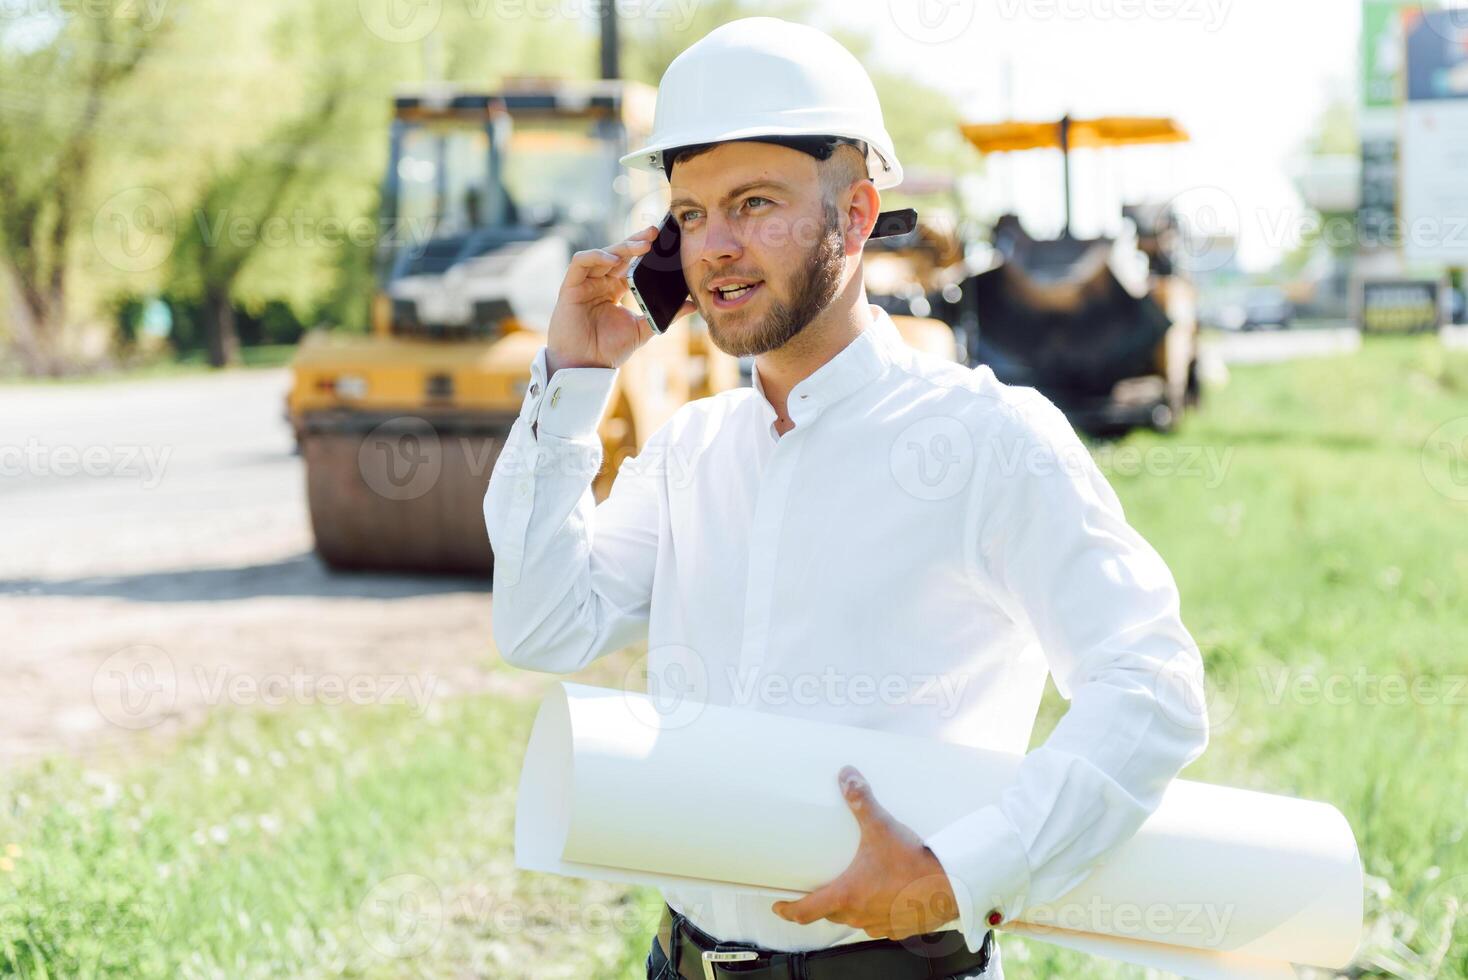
720, 244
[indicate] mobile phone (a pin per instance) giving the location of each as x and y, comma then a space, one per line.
656, 278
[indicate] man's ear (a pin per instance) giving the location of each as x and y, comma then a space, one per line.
862, 209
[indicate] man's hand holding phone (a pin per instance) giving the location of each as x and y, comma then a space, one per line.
590, 327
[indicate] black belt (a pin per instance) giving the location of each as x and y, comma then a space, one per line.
695, 955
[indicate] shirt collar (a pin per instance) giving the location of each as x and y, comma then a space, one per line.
855, 366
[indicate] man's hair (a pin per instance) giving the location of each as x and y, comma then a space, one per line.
844, 164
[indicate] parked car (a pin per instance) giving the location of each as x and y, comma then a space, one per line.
1267, 308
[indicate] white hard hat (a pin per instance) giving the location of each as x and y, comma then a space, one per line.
762, 76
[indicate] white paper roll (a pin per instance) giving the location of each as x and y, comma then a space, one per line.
1219, 882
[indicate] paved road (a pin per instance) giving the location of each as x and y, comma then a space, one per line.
158, 563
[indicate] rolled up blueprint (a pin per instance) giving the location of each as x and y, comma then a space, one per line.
1218, 882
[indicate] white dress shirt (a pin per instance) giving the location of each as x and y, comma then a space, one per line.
912, 556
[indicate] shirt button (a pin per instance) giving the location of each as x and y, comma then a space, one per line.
555, 397
994, 917
534, 388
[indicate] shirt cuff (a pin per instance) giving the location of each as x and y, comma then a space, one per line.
573, 400
987, 868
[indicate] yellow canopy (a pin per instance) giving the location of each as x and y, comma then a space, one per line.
1008, 137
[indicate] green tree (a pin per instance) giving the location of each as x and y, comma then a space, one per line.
59, 73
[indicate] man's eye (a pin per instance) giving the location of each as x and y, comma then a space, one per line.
684, 217
757, 201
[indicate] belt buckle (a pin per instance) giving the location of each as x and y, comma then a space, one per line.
712, 956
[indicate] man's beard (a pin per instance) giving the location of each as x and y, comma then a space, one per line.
815, 287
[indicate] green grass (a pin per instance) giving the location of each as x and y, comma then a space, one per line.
1324, 549
1314, 542
304, 842
165, 366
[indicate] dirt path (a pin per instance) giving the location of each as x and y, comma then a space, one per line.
158, 564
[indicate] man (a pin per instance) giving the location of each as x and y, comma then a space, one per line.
897, 541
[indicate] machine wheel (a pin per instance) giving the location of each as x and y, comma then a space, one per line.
401, 497
1193, 393
1164, 417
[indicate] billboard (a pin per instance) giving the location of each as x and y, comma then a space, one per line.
1434, 156
1401, 306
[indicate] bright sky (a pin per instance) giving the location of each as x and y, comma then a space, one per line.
1247, 78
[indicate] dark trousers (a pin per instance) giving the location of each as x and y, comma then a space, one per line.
658, 967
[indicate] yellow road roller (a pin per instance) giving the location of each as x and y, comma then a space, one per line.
486, 196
